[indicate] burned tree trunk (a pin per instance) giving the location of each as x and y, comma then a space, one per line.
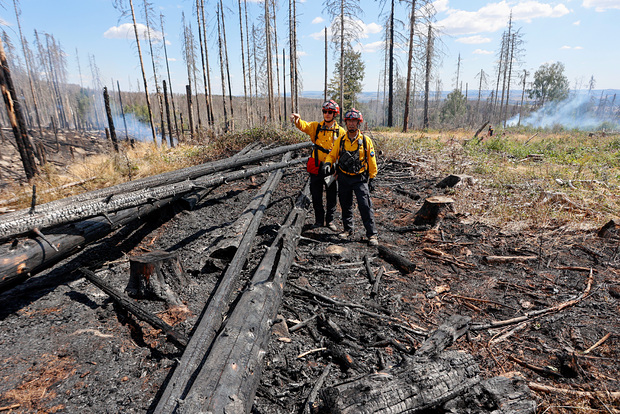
108, 112
24, 258
172, 177
238, 351
207, 328
402, 263
433, 380
151, 274
433, 209
16, 117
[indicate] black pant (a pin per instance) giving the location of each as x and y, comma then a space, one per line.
347, 185
323, 215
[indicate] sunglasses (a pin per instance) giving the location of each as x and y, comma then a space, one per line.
326, 111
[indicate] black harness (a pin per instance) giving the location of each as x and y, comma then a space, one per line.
316, 147
349, 161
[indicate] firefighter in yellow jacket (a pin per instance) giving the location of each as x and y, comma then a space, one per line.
354, 159
323, 135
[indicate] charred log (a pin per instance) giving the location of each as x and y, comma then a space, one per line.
401, 263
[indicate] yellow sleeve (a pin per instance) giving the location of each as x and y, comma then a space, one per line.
332, 157
372, 160
307, 127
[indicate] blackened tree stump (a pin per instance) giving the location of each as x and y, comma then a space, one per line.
156, 275
433, 209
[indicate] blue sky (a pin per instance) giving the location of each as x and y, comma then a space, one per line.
582, 34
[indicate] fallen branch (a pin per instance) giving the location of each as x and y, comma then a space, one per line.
403, 264
539, 370
530, 315
603, 339
509, 259
315, 390
590, 394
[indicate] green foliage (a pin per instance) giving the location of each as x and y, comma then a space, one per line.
353, 79
454, 108
550, 83
140, 111
83, 104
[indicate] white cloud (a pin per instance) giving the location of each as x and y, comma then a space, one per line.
482, 52
494, 16
370, 47
126, 31
318, 20
301, 53
602, 5
577, 23
565, 48
371, 28
474, 40
318, 35
440, 5
172, 60
571, 47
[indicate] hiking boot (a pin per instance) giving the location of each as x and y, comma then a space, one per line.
346, 234
373, 241
331, 226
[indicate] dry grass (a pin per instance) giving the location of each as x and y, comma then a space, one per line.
573, 182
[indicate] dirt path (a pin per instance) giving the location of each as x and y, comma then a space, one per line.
66, 347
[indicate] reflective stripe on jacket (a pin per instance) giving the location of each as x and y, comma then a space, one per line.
370, 163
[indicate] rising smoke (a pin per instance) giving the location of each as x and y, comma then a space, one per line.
580, 111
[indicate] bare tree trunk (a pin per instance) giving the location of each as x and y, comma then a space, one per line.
174, 111
202, 36
168, 114
269, 51
522, 97
190, 109
16, 118
208, 71
146, 86
275, 49
120, 100
512, 50
409, 66
27, 60
390, 122
245, 90
284, 78
249, 74
230, 99
157, 90
427, 79
341, 82
219, 40
325, 77
108, 112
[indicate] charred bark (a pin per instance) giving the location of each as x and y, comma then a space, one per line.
238, 351
208, 327
189, 173
401, 263
151, 274
81, 211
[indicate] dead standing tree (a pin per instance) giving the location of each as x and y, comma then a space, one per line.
204, 58
174, 111
147, 19
119, 4
221, 54
16, 118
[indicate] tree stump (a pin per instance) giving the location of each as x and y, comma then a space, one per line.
434, 208
156, 275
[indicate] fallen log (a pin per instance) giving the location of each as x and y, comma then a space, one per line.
236, 354
212, 316
80, 211
401, 263
433, 380
172, 177
176, 337
228, 243
26, 257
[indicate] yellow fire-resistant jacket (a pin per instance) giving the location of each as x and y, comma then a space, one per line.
367, 158
325, 137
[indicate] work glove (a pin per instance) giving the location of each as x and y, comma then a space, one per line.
371, 185
326, 169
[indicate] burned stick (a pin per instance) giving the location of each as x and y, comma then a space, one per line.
315, 390
403, 264
302, 324
375, 286
369, 272
176, 337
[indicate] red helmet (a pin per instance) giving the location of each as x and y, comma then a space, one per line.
354, 114
331, 105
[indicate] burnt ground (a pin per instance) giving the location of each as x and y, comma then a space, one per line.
65, 346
